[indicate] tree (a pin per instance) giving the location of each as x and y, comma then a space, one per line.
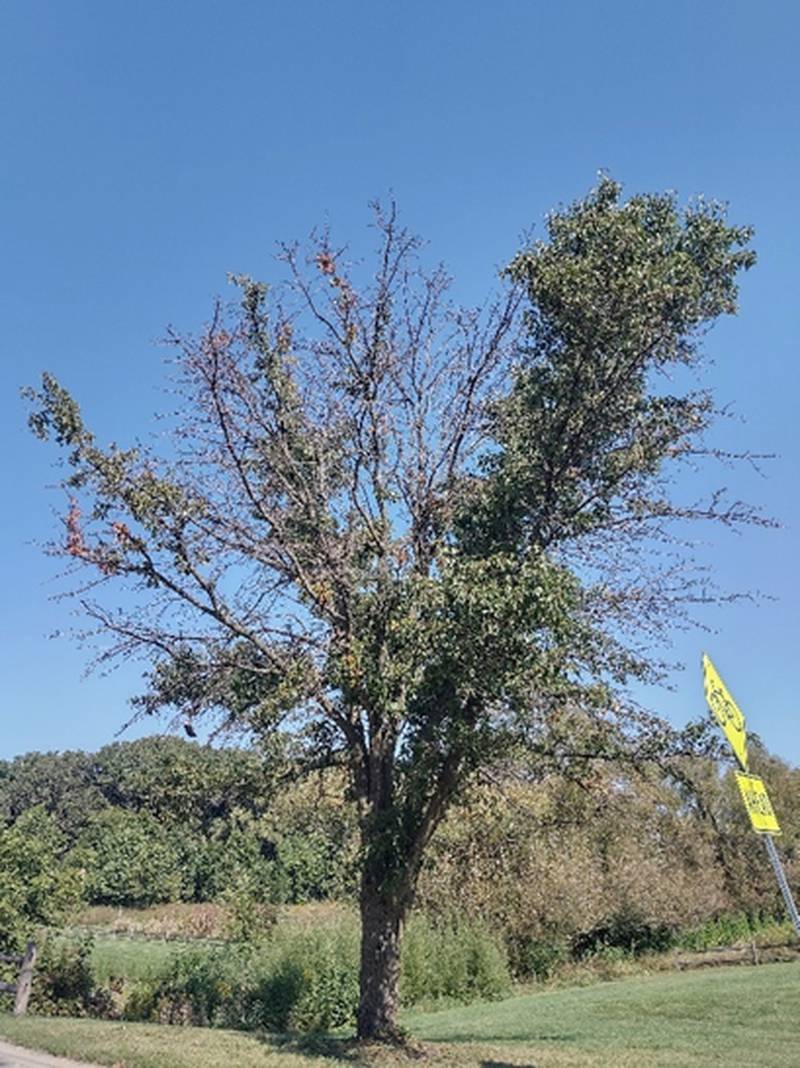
183, 783
38, 886
415, 532
62, 783
131, 859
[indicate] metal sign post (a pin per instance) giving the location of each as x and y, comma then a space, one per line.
780, 875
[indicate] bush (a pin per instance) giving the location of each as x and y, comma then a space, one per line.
535, 959
245, 917
37, 887
295, 981
311, 983
191, 989
451, 962
65, 984
625, 932
311, 867
308, 980
236, 856
294, 869
727, 930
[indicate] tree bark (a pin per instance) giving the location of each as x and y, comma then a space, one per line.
388, 884
382, 917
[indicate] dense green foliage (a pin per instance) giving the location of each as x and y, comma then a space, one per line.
165, 776
36, 886
301, 982
163, 819
308, 980
131, 859
66, 984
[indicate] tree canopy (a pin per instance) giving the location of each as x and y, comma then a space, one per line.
416, 533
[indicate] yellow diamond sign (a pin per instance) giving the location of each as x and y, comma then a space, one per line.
725, 711
758, 805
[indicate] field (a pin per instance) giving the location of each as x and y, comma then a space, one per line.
727, 1016
136, 943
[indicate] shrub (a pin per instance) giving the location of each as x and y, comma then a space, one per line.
451, 962
236, 856
295, 869
37, 886
535, 959
65, 983
310, 984
626, 932
246, 918
726, 930
301, 981
310, 864
191, 989
308, 980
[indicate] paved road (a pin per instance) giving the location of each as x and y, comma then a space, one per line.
14, 1057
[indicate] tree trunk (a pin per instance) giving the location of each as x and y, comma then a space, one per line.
382, 919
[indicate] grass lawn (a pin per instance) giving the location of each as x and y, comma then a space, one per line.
727, 1016
732, 1016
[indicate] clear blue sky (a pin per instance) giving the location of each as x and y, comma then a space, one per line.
149, 148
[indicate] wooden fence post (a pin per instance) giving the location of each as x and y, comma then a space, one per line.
25, 980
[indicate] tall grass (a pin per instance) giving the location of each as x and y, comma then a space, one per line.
734, 928
455, 963
298, 980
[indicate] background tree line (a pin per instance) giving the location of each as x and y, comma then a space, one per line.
161, 820
551, 863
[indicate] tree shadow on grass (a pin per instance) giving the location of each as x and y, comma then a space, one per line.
505, 1064
338, 1050
506, 1036
350, 1052
354, 1053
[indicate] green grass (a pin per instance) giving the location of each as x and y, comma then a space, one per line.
729, 1016
150, 1046
114, 955
133, 958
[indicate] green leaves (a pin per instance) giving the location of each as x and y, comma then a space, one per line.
36, 886
636, 278
56, 414
620, 291
131, 859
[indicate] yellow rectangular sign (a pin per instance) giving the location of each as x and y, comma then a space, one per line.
758, 805
725, 711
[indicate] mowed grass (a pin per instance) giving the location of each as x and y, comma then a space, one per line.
729, 1016
733, 1016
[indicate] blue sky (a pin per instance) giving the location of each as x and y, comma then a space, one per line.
150, 148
